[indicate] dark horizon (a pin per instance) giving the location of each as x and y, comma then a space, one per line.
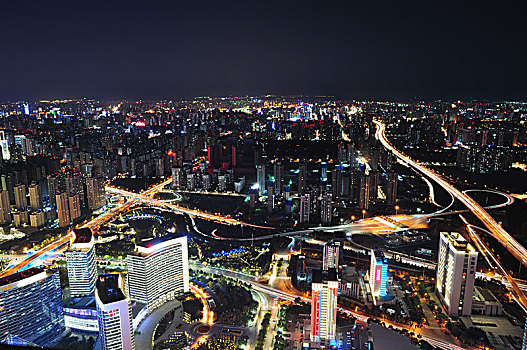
366, 51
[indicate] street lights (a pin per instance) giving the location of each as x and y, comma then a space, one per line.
396, 209
363, 213
352, 218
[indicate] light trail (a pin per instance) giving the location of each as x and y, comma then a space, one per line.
515, 248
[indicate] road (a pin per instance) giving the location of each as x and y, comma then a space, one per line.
494, 229
93, 224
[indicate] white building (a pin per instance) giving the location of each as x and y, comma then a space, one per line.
456, 271
114, 315
158, 271
82, 271
305, 207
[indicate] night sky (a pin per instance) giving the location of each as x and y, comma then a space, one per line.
350, 49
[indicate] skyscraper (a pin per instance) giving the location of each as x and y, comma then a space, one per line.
158, 270
378, 274
279, 177
270, 195
324, 294
114, 315
63, 209
391, 188
4, 144
302, 177
95, 192
331, 256
260, 178
326, 208
20, 197
305, 207
5, 207
35, 197
80, 257
31, 306
456, 272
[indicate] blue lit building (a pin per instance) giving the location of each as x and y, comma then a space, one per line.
31, 306
378, 274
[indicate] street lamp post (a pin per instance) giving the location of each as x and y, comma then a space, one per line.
363, 213
396, 210
352, 218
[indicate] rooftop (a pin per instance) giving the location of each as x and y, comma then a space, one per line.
108, 288
87, 302
20, 275
82, 235
320, 276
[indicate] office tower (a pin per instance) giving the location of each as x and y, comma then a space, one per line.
302, 177
456, 271
4, 144
63, 209
35, 197
323, 170
270, 195
20, 197
305, 207
391, 188
288, 205
32, 306
177, 178
53, 187
260, 178
378, 274
5, 208
80, 257
364, 194
332, 255
374, 186
253, 196
95, 192
278, 177
222, 183
114, 315
158, 270
287, 191
74, 203
342, 154
324, 294
336, 182
326, 208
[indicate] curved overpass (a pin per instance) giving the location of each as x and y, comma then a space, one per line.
515, 248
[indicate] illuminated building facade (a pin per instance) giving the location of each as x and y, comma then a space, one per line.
331, 256
114, 315
31, 306
158, 271
456, 272
378, 274
324, 294
82, 271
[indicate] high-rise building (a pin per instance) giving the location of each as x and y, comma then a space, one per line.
326, 208
302, 177
37, 218
158, 270
95, 192
456, 272
80, 257
391, 188
4, 144
331, 256
20, 197
378, 274
35, 197
74, 203
63, 209
114, 314
305, 207
323, 170
5, 208
260, 178
278, 177
270, 195
31, 306
324, 294
364, 195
